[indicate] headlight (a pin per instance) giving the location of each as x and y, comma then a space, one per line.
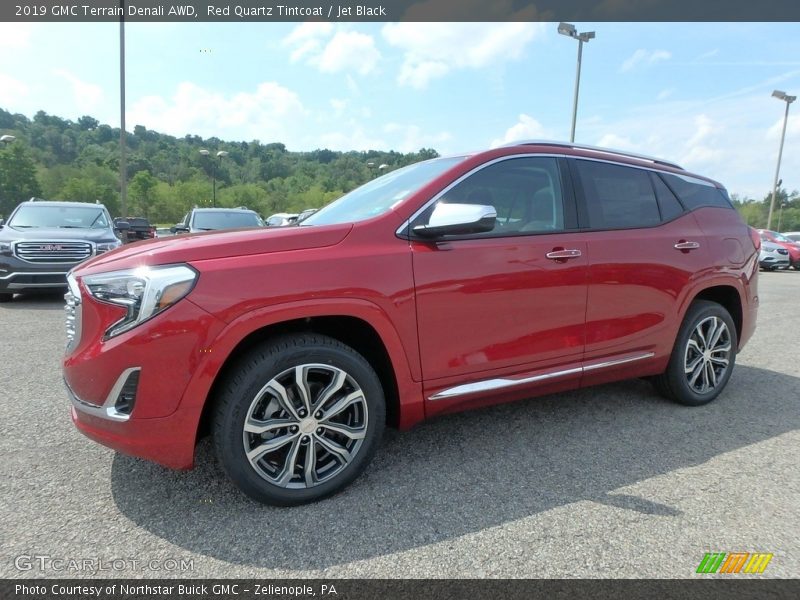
5, 247
107, 246
143, 292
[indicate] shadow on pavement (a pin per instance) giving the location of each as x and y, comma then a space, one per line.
464, 473
50, 300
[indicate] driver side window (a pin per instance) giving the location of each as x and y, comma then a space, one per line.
526, 193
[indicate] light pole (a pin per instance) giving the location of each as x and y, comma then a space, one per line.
220, 155
788, 99
568, 29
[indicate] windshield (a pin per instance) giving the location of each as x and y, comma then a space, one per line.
31, 215
381, 194
207, 221
780, 237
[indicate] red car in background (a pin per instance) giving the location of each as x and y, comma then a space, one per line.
780, 239
448, 284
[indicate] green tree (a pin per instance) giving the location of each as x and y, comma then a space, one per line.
17, 177
141, 191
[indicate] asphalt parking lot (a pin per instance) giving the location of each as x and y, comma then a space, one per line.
606, 482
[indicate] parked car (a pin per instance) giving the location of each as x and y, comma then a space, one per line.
773, 256
449, 284
281, 219
42, 241
140, 229
162, 232
792, 246
214, 219
792, 235
305, 214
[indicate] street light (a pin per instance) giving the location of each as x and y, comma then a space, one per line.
568, 29
7, 139
788, 99
220, 155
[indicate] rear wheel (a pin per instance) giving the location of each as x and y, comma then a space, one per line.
703, 357
298, 419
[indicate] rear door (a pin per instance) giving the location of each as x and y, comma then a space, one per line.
644, 250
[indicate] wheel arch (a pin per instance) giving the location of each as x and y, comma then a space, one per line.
726, 294
360, 325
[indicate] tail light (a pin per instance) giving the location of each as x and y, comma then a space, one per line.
756, 237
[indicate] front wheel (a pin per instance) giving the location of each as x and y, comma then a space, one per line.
298, 419
703, 357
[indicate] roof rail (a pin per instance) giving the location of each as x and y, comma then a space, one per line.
651, 159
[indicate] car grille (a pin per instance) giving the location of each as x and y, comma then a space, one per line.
73, 315
53, 252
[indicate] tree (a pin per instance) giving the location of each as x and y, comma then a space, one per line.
17, 178
141, 191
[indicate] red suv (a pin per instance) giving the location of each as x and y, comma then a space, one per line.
445, 285
788, 243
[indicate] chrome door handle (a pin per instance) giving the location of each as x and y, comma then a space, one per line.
686, 246
563, 254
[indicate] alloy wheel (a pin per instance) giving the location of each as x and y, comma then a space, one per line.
305, 426
707, 355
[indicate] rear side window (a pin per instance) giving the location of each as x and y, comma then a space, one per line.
696, 193
670, 207
617, 197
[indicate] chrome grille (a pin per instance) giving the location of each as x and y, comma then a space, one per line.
72, 309
53, 252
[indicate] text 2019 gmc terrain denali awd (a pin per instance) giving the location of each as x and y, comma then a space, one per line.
448, 284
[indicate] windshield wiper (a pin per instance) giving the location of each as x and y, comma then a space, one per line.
71, 227
204, 228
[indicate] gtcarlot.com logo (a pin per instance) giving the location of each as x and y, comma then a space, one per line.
46, 562
734, 562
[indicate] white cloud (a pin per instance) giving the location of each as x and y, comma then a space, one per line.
266, 113
617, 142
410, 138
664, 94
431, 50
12, 91
709, 54
526, 128
348, 51
356, 139
644, 57
87, 96
345, 51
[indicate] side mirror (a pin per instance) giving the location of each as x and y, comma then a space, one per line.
458, 219
122, 226
179, 228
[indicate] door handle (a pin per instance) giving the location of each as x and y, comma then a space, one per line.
685, 246
563, 254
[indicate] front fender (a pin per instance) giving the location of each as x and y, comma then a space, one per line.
411, 404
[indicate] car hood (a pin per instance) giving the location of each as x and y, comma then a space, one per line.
8, 233
212, 245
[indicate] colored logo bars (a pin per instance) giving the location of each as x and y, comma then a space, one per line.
734, 562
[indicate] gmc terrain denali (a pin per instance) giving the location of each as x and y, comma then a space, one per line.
448, 284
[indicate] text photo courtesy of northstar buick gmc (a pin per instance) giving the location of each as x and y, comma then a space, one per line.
449, 284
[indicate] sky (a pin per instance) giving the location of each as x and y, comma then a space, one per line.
698, 94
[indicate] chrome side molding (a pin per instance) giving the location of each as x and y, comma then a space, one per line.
489, 385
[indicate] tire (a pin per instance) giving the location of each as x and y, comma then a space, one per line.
710, 371
6, 297
288, 457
